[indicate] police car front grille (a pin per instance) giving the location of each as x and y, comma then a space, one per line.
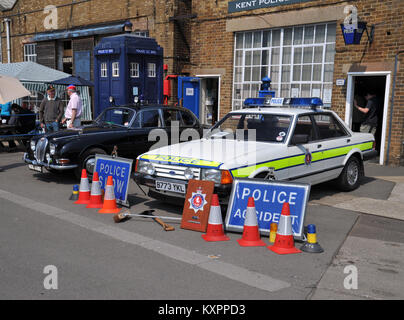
174, 172
40, 149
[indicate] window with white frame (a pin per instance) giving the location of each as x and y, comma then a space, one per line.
134, 69
104, 70
299, 60
115, 69
151, 70
30, 52
144, 34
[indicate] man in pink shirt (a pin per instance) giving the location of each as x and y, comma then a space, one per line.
73, 109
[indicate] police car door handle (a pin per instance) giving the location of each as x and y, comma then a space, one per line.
319, 146
348, 140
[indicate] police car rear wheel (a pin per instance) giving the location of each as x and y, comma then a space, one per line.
349, 178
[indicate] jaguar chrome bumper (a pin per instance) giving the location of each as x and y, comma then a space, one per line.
47, 165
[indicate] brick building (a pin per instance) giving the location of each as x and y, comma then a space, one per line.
231, 45
300, 45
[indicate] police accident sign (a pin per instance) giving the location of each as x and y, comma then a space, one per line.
269, 197
120, 170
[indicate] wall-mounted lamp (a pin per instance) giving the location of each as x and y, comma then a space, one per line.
354, 36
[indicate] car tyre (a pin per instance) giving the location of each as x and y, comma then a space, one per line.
87, 162
350, 177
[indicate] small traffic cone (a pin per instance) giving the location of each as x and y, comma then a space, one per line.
311, 245
284, 242
273, 228
251, 235
75, 193
215, 230
109, 205
84, 192
96, 194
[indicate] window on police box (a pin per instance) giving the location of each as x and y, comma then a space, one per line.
328, 127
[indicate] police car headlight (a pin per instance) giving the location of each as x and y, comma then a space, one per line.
52, 149
150, 169
33, 144
188, 173
145, 167
211, 175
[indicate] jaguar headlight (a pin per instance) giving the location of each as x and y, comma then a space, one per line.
52, 149
33, 144
211, 174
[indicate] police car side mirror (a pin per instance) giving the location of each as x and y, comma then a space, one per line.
299, 139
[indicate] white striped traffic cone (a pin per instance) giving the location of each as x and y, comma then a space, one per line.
215, 230
284, 242
84, 191
96, 194
109, 205
251, 235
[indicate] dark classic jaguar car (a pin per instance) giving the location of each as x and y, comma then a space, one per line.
126, 128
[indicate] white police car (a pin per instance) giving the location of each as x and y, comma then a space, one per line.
277, 140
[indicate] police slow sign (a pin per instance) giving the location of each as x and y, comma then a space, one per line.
120, 170
269, 197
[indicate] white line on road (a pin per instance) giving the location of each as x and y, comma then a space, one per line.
224, 269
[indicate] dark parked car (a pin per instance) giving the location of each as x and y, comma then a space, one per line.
124, 127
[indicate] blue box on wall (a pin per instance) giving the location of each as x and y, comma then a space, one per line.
126, 66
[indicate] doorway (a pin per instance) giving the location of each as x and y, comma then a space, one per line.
359, 84
210, 100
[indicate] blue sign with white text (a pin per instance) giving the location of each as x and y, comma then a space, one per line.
120, 170
269, 197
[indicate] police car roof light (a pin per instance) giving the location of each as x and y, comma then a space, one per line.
312, 102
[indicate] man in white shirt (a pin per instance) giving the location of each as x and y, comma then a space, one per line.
73, 109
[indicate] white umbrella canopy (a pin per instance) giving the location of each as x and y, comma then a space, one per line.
11, 89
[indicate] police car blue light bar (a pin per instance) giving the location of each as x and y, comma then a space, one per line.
312, 102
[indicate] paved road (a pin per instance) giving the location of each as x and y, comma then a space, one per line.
97, 259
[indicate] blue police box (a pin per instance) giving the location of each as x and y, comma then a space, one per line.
126, 66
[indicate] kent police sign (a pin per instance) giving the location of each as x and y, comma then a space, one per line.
269, 197
120, 170
244, 5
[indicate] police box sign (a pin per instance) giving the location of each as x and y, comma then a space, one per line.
269, 197
120, 170
244, 5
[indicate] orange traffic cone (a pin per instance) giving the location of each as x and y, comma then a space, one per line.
284, 242
84, 191
109, 205
95, 195
251, 235
215, 230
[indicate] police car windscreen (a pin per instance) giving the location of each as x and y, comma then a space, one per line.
253, 127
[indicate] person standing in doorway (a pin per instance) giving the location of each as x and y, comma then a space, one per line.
357, 116
74, 109
371, 110
51, 111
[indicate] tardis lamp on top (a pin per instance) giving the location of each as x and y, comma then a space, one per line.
354, 35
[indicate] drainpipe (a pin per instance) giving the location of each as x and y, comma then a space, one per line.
392, 103
1, 48
7, 21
